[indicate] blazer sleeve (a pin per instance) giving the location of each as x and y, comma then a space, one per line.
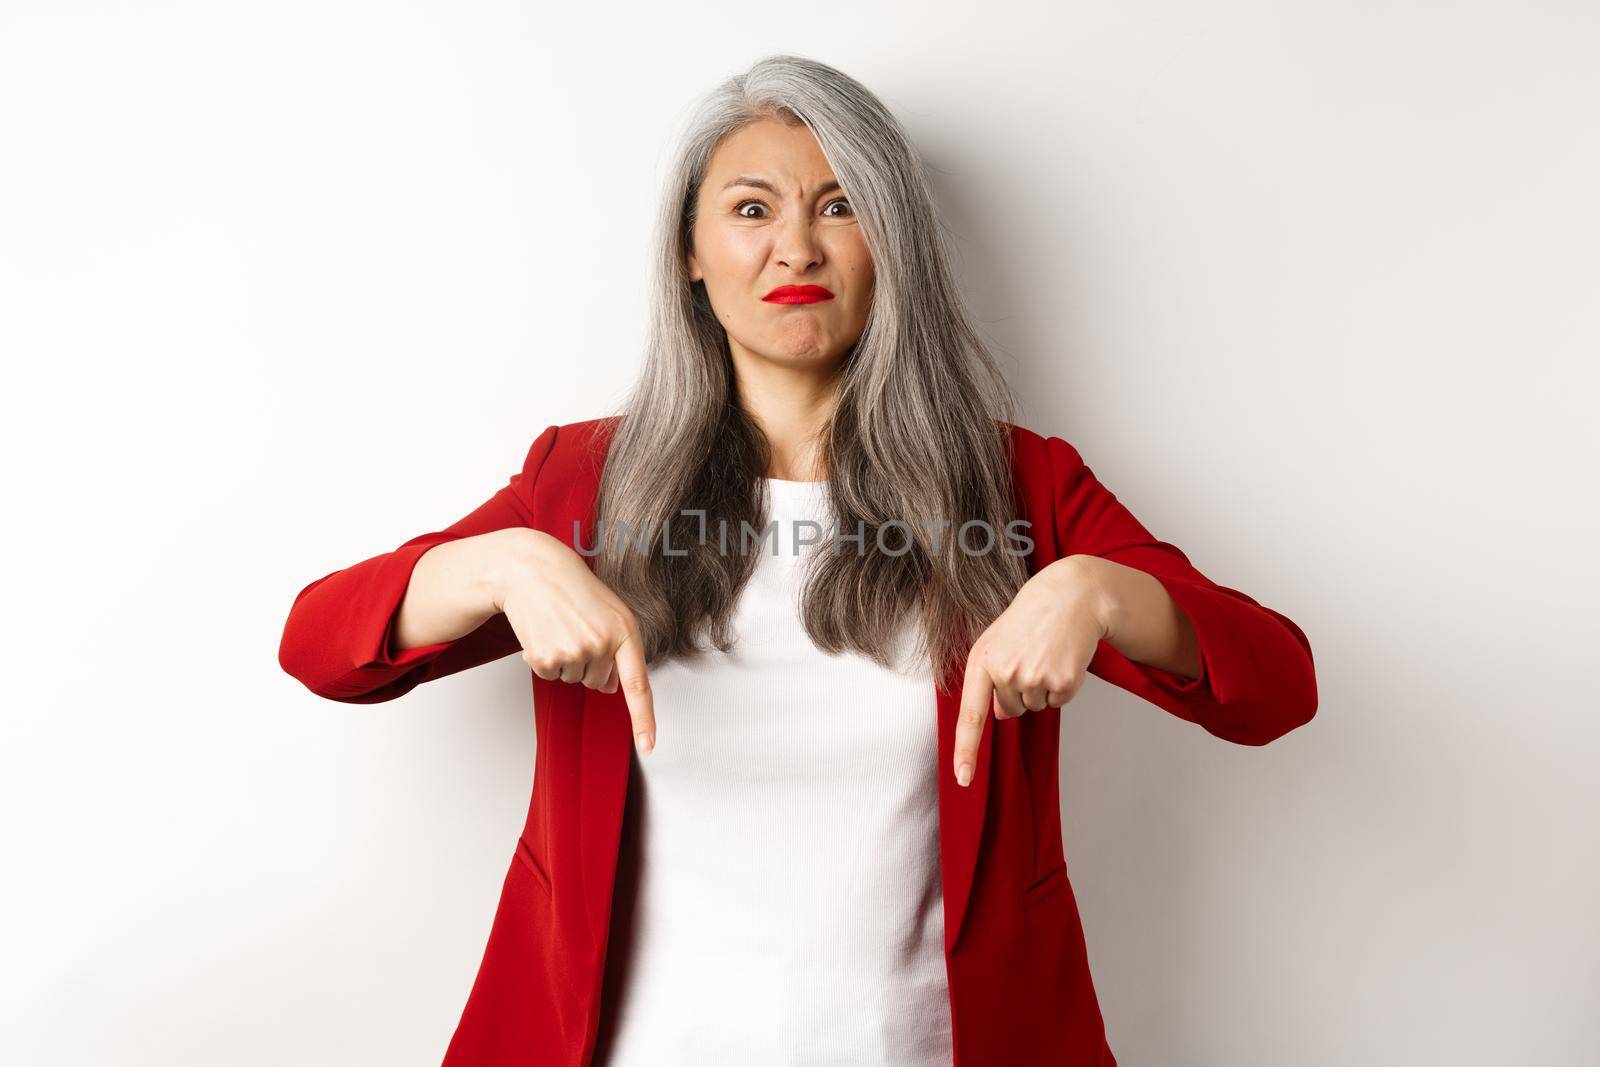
339, 637
1257, 678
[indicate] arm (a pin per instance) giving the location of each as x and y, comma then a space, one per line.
1255, 680
341, 638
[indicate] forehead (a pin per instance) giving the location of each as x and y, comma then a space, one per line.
787, 156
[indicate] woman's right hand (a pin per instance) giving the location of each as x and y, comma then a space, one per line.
570, 624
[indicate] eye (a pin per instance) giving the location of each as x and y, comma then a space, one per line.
738, 209
841, 200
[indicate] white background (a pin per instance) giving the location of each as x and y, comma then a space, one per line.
1311, 285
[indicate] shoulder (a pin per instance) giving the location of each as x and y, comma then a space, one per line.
589, 428
585, 435
562, 440
569, 451
1037, 455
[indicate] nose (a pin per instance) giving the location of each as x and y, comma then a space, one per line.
796, 245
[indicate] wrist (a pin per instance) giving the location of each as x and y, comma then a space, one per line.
500, 557
1092, 579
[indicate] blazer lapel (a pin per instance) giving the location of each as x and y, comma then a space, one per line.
961, 810
605, 765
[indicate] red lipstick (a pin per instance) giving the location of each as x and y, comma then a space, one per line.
798, 294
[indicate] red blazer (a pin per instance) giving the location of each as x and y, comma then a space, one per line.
1020, 988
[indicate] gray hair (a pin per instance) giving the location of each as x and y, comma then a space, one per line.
919, 433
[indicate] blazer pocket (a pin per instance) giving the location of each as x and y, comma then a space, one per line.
529, 860
1042, 887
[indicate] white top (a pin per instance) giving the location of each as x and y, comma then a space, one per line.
788, 903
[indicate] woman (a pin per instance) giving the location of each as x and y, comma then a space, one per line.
764, 828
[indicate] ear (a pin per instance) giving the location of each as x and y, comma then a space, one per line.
694, 268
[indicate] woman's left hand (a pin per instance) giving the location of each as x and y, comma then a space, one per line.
1036, 654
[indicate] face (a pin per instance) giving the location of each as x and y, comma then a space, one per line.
777, 244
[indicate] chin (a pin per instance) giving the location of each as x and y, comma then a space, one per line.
808, 356
802, 346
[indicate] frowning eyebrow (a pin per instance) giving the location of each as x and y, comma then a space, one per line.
762, 183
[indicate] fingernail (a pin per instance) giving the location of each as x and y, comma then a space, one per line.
964, 774
645, 743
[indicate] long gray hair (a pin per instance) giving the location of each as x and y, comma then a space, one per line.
918, 433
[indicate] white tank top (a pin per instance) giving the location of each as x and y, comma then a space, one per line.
787, 905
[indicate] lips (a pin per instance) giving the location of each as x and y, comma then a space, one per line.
798, 294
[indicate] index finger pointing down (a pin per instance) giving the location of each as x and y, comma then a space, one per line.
635, 683
977, 698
